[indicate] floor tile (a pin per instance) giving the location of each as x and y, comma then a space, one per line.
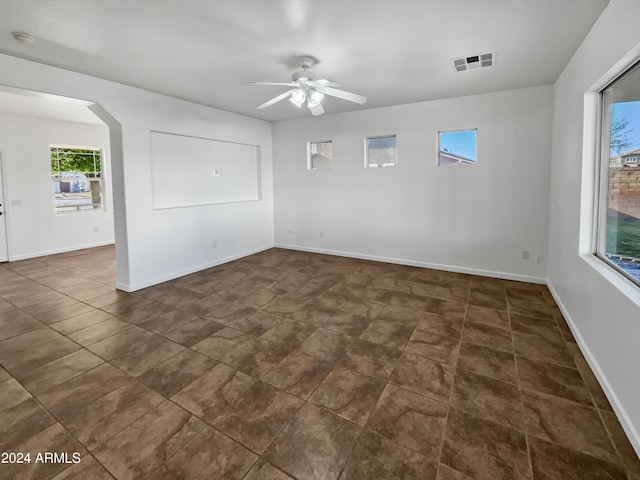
453, 291
628, 455
411, 420
437, 347
488, 316
95, 423
66, 398
400, 314
52, 439
257, 417
147, 355
424, 376
568, 424
484, 450
488, 362
18, 323
262, 470
99, 331
258, 322
230, 346
487, 336
522, 307
370, 358
542, 349
120, 343
376, 457
326, 345
288, 331
390, 334
447, 308
172, 375
547, 328
81, 321
298, 374
488, 299
209, 455
315, 444
214, 393
554, 380
88, 468
59, 371
12, 393
441, 325
182, 327
589, 378
553, 462
149, 442
350, 394
21, 422
488, 398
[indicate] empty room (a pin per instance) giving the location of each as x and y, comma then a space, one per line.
276, 240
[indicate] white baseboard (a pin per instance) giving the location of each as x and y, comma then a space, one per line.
620, 411
412, 263
15, 258
180, 273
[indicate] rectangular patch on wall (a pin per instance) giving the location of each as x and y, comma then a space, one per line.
189, 171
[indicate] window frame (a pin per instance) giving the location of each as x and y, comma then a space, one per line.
603, 159
97, 179
473, 164
310, 154
377, 165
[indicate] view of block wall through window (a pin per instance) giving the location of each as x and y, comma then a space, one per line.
618, 241
77, 178
380, 151
319, 155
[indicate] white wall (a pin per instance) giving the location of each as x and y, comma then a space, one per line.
475, 219
605, 320
155, 245
34, 228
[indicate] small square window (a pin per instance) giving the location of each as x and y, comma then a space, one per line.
380, 151
320, 155
457, 147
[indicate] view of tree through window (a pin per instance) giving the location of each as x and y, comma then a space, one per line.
619, 224
77, 178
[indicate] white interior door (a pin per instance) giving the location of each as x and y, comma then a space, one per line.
4, 254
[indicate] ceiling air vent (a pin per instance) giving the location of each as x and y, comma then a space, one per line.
481, 60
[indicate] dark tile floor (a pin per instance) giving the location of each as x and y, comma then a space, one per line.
294, 365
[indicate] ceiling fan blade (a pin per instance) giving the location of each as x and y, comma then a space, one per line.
323, 82
282, 96
317, 110
351, 97
272, 83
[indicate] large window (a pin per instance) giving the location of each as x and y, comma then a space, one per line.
618, 226
77, 179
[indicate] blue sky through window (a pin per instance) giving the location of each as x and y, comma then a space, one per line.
629, 111
459, 143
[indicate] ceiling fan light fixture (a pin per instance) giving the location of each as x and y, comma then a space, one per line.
314, 98
298, 97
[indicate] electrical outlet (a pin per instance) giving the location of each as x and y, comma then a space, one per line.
215, 244
290, 230
212, 243
321, 234
16, 202
96, 229
217, 172
525, 255
538, 258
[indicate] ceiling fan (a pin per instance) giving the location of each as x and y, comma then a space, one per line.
310, 87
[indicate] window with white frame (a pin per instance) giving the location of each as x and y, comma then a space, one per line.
320, 155
77, 179
457, 147
618, 216
380, 151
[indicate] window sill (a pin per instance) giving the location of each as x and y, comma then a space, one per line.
628, 288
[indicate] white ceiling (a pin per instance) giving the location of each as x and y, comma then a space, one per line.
393, 52
14, 101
